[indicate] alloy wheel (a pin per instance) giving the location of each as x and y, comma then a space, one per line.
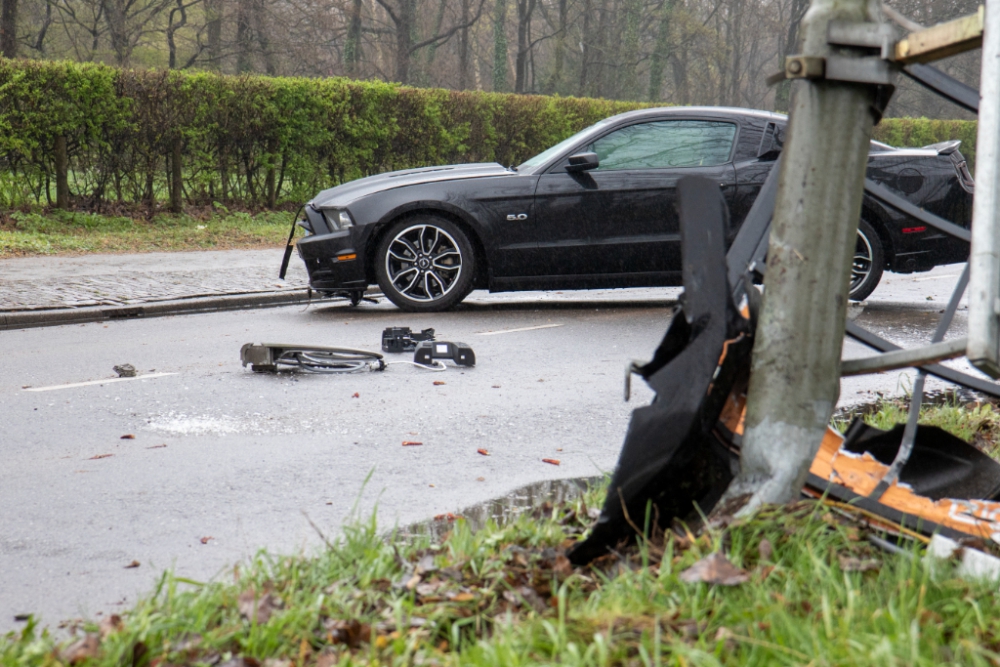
861, 266
423, 262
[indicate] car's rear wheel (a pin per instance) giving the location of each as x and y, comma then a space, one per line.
868, 262
425, 264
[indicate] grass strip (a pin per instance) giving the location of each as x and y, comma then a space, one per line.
816, 592
68, 232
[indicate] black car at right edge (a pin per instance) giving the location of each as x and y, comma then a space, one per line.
597, 210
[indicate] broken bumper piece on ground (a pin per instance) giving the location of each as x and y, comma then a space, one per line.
682, 450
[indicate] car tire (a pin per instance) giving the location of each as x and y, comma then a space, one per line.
425, 264
867, 263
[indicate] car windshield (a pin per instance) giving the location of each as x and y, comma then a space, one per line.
561, 146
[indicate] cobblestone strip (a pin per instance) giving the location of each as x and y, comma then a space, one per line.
124, 288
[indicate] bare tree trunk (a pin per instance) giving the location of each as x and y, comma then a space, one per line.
213, 17
500, 46
244, 36
585, 54
114, 15
260, 27
555, 82
404, 40
795, 371
176, 178
661, 51
352, 48
628, 61
525, 8
8, 29
62, 173
463, 49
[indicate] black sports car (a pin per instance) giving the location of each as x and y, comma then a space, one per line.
597, 210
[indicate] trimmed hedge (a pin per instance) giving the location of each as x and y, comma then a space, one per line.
914, 132
259, 141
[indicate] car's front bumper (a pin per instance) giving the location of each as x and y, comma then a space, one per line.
335, 261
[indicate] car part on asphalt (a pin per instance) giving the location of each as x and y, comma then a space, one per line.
273, 357
402, 339
427, 352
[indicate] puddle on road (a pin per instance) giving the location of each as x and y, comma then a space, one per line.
505, 508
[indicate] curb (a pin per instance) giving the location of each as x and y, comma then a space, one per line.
55, 317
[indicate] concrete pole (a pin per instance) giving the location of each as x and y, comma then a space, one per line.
795, 372
984, 259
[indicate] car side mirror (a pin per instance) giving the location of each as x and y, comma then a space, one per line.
582, 162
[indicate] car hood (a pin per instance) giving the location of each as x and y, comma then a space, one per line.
343, 195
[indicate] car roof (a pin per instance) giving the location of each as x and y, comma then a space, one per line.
699, 111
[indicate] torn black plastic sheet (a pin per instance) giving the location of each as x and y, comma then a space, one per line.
671, 459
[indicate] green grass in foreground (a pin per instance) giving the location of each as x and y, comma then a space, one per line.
66, 232
505, 596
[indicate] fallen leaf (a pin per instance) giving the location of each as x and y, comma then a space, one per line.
99, 456
554, 462
411, 443
156, 447
562, 567
80, 650
110, 624
205, 540
438, 383
355, 395
128, 436
351, 633
851, 564
480, 479
715, 569
258, 609
134, 563
484, 452
327, 659
559, 449
462, 597
765, 549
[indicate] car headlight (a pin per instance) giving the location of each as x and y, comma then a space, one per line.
337, 219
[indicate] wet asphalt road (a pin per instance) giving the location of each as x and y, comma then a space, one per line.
225, 462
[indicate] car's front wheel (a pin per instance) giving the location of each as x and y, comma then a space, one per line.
425, 264
868, 262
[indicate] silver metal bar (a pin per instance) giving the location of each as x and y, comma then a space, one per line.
888, 361
984, 285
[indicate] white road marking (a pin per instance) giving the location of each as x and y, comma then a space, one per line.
92, 382
540, 326
920, 280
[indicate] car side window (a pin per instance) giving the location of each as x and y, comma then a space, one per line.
664, 144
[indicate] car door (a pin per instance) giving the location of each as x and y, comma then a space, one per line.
620, 218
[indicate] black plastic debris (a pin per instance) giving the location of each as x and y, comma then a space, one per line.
672, 462
940, 465
402, 339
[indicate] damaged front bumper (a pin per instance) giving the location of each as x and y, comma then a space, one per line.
333, 261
